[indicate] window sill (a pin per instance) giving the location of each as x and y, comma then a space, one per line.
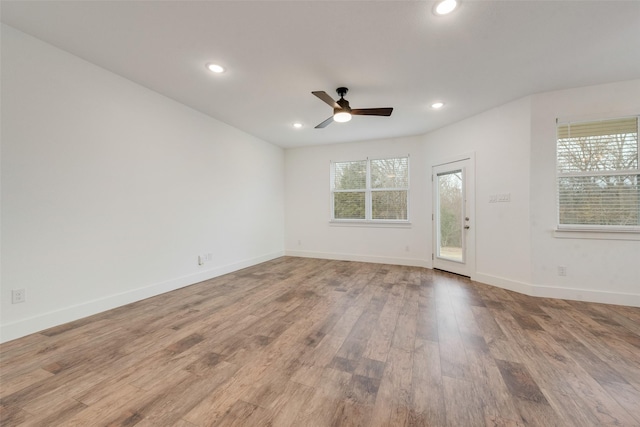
374, 224
596, 234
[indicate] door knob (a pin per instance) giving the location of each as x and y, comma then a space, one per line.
466, 227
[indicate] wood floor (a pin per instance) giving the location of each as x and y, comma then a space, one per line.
305, 342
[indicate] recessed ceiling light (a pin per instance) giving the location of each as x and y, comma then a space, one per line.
445, 7
437, 105
297, 125
215, 68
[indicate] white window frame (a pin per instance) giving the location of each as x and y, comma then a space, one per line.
368, 220
593, 231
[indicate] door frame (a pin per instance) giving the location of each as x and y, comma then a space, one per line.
470, 209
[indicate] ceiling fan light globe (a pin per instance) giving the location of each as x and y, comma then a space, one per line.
342, 117
215, 68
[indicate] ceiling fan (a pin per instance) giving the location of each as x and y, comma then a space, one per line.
341, 110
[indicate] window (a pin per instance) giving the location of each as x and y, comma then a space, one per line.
598, 175
370, 190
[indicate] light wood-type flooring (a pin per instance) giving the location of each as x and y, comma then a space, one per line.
307, 342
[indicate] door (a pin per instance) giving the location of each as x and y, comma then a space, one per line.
453, 209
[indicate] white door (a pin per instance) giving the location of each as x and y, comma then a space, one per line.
453, 224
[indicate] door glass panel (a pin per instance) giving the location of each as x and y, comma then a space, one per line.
450, 215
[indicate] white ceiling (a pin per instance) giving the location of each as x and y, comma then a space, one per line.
388, 53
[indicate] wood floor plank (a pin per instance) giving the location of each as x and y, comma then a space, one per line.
520, 382
107, 409
405, 332
463, 406
581, 354
64, 411
427, 397
17, 383
290, 403
243, 414
489, 383
393, 399
559, 394
308, 342
318, 412
350, 414
627, 367
382, 335
586, 388
453, 359
13, 415
626, 395
312, 363
178, 399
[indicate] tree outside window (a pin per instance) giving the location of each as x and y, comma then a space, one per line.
370, 189
598, 175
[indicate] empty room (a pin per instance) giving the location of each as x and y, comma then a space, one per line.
320, 213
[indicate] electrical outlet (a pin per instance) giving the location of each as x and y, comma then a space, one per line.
562, 270
18, 296
204, 258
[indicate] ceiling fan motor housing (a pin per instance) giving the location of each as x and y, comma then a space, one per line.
344, 106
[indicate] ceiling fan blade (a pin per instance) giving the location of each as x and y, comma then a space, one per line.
371, 111
325, 123
326, 98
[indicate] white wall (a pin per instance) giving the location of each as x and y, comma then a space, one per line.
111, 191
605, 270
307, 207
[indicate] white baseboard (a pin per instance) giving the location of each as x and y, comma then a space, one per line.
412, 262
574, 294
586, 295
50, 319
43, 321
504, 283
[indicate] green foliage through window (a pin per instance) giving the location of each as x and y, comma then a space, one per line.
370, 189
450, 204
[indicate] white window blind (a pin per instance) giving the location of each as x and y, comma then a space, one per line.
598, 176
367, 190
